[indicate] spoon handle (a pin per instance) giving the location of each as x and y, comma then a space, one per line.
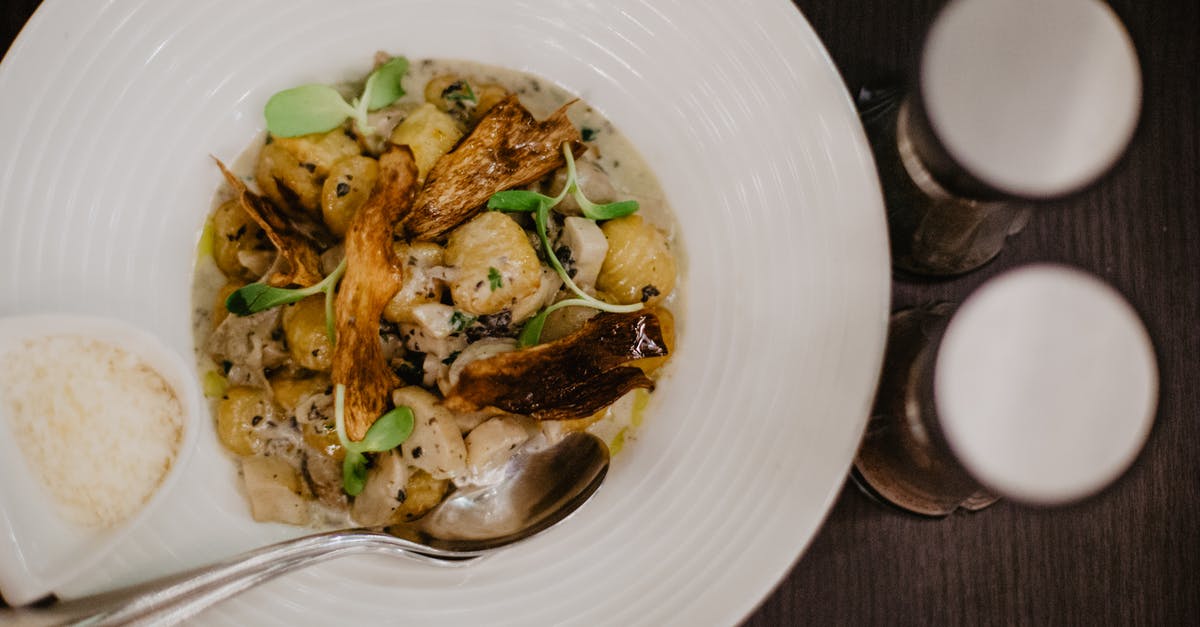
175, 598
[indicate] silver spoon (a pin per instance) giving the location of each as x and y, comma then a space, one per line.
539, 490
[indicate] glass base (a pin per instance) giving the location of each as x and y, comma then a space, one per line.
902, 460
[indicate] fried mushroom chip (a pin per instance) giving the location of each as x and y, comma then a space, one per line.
373, 276
572, 377
297, 241
507, 149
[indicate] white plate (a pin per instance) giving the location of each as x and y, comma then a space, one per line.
108, 114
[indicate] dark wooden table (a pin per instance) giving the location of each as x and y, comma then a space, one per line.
1129, 556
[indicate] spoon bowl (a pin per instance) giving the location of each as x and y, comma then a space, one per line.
539, 489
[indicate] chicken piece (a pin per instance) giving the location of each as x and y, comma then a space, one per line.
373, 276
570, 378
491, 444
297, 239
509, 148
587, 246
436, 445
383, 492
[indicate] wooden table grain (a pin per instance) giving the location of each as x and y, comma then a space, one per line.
1129, 556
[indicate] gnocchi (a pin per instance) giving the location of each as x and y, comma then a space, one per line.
496, 266
639, 266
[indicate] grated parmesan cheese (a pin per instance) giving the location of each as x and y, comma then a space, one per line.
98, 426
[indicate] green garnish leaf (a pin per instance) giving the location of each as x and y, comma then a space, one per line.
459, 90
389, 431
459, 321
518, 200
494, 279
257, 297
354, 473
608, 211
531, 333
386, 84
306, 109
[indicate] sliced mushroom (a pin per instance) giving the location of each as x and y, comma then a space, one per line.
509, 148
569, 378
297, 238
373, 275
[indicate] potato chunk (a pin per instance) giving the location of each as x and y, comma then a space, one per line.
496, 265
429, 133
307, 338
639, 267
347, 187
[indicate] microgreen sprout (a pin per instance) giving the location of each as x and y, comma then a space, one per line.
540, 205
258, 297
320, 108
459, 321
459, 90
388, 432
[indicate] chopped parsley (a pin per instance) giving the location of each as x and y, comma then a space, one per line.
459, 321
494, 279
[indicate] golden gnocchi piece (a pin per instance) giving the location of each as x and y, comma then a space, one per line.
322, 436
639, 267
289, 390
290, 170
240, 412
219, 311
306, 335
236, 234
419, 285
347, 187
429, 133
496, 266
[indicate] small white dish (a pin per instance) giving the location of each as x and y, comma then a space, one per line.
39, 548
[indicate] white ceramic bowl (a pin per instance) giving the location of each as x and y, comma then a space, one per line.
39, 549
109, 112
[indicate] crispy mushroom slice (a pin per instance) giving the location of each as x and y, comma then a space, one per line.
570, 378
298, 243
373, 275
508, 148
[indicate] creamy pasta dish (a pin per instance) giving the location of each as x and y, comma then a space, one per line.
415, 276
